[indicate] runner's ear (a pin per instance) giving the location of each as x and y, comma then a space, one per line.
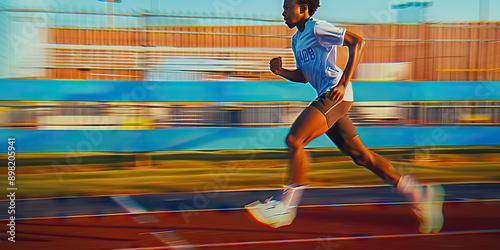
303, 8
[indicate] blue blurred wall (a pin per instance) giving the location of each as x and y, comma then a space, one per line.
173, 139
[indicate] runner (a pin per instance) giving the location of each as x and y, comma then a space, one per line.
315, 48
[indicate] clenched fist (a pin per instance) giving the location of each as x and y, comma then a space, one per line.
276, 65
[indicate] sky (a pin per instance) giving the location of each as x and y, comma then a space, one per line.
355, 11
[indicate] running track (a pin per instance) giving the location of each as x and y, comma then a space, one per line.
373, 217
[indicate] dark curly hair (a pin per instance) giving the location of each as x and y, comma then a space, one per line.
312, 5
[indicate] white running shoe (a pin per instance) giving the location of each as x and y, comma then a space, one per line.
437, 207
275, 213
272, 213
428, 207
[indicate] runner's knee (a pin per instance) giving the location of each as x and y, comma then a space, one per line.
293, 142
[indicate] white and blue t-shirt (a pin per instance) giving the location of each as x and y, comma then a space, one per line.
315, 52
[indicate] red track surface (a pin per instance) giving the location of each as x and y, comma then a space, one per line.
391, 226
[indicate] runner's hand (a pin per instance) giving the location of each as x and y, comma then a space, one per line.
276, 65
337, 93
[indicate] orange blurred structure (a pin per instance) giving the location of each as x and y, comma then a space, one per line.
436, 51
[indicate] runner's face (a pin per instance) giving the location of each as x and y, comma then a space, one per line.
292, 13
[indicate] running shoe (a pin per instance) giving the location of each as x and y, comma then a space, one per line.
438, 195
272, 213
428, 208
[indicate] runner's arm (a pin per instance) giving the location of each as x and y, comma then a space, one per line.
292, 75
356, 45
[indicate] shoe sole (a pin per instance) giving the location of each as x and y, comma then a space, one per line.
285, 219
432, 220
253, 210
279, 220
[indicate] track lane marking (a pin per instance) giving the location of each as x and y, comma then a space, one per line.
388, 236
242, 208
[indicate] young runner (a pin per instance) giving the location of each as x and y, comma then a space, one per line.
314, 46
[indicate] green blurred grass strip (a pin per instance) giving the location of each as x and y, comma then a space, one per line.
204, 175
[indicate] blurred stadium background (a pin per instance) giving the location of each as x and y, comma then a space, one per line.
115, 81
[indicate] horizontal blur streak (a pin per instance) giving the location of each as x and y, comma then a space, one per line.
236, 138
117, 105
73, 45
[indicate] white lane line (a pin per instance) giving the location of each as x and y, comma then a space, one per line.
349, 186
270, 189
242, 208
170, 238
173, 240
132, 206
389, 236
